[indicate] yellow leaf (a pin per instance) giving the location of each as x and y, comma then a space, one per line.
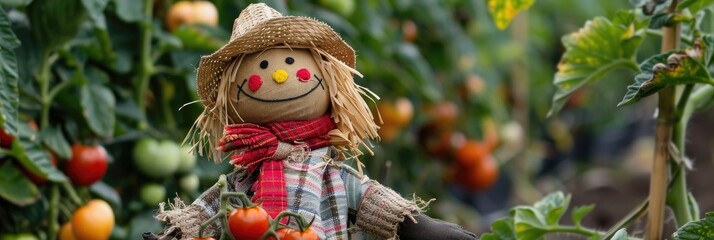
503, 11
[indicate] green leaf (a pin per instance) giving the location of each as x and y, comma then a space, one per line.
130, 10
552, 207
592, 52
529, 223
53, 138
106, 192
620, 235
695, 230
660, 20
503, 11
98, 105
55, 23
199, 37
8, 76
33, 157
15, 187
664, 70
95, 8
694, 5
501, 229
580, 212
15, 3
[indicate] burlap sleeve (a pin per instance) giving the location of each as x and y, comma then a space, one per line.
382, 209
183, 222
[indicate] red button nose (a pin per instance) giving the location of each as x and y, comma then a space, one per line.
254, 82
303, 74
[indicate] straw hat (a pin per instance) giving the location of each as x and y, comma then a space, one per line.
258, 27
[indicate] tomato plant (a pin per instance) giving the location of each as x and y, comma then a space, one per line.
248, 222
87, 165
93, 221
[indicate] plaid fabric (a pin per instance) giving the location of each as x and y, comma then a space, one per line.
329, 193
257, 146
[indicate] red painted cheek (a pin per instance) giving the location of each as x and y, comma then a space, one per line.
254, 82
303, 74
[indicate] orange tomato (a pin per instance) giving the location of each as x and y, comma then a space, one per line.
66, 233
204, 238
396, 114
479, 176
93, 221
186, 13
388, 133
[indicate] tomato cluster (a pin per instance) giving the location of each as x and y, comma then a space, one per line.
472, 165
252, 222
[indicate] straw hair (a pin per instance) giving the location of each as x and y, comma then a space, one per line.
353, 118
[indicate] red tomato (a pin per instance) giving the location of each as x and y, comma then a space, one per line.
472, 153
5, 139
87, 165
479, 176
248, 223
308, 234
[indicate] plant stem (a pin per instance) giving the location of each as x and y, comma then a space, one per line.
678, 195
146, 66
72, 193
663, 136
53, 211
577, 230
43, 78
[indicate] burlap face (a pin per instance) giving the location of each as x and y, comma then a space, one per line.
303, 95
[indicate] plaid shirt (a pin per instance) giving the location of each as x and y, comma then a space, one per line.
328, 191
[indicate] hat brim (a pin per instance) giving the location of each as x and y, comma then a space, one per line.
294, 31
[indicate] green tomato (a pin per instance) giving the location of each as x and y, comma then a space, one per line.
342, 7
19, 236
152, 194
157, 159
189, 183
188, 160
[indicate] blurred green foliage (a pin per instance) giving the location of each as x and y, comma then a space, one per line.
81, 76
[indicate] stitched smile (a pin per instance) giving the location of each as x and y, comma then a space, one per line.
240, 90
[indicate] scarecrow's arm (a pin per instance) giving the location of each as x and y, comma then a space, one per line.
385, 214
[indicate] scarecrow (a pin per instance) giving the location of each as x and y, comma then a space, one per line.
280, 97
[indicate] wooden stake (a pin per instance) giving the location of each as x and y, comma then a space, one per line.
665, 121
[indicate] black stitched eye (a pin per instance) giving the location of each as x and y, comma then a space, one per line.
289, 60
264, 64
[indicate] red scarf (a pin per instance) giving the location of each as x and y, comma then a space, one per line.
256, 146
